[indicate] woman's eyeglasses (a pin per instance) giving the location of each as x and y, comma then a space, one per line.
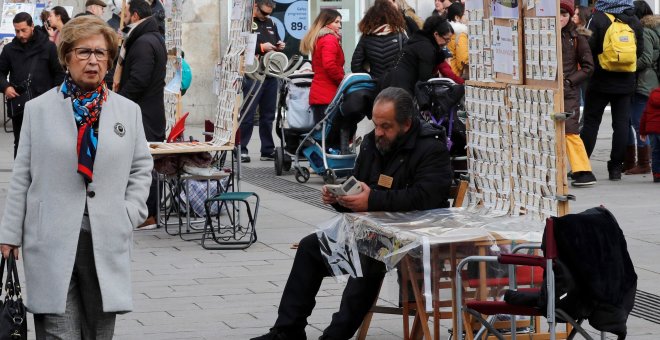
83, 53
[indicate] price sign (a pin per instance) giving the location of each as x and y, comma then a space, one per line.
295, 19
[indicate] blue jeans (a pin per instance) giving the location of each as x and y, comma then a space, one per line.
654, 139
266, 99
636, 109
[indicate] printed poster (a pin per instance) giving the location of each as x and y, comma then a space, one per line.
506, 9
503, 51
9, 11
546, 8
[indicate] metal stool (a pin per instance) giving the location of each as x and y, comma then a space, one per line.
234, 235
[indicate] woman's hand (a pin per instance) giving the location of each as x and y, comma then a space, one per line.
6, 248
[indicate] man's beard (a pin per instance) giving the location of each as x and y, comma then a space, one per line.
384, 146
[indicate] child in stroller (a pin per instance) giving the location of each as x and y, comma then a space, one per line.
326, 146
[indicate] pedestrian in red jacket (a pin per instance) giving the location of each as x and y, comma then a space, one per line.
649, 127
323, 42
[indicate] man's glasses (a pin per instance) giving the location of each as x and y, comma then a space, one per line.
83, 53
264, 13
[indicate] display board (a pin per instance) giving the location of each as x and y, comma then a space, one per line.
173, 44
229, 72
516, 146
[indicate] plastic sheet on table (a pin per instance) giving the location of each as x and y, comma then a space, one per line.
389, 236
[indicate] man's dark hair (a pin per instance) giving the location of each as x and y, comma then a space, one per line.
403, 103
438, 25
23, 17
269, 3
141, 7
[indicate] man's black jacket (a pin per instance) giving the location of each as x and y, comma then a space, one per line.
419, 166
16, 59
143, 76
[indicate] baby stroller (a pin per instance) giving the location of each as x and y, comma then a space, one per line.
294, 116
326, 145
440, 102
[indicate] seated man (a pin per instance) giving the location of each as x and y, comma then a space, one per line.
403, 165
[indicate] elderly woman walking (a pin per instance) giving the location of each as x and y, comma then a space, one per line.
79, 185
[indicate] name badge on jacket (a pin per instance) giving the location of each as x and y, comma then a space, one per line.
385, 181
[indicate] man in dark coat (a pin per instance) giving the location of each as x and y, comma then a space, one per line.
143, 60
31, 62
403, 166
268, 40
606, 87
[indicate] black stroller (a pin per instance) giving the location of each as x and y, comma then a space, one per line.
440, 102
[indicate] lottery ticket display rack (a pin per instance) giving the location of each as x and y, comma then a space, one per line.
514, 104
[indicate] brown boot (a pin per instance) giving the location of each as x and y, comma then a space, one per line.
642, 166
629, 160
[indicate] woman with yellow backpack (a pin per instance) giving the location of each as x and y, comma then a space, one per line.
616, 43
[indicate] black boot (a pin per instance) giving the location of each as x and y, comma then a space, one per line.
278, 334
615, 169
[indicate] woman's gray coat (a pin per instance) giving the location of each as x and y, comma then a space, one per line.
46, 199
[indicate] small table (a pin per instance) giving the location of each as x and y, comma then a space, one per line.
399, 237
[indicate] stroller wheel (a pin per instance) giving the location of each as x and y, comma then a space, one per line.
279, 160
302, 175
329, 176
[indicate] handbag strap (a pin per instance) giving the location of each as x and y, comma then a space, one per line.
12, 284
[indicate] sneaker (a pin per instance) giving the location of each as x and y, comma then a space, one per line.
583, 179
148, 224
245, 158
268, 157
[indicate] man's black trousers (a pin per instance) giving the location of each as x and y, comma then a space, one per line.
594, 107
299, 297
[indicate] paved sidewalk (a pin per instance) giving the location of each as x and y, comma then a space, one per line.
184, 292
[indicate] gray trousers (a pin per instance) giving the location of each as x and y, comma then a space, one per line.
84, 317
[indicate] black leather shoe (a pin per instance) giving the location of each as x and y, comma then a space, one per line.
614, 169
276, 334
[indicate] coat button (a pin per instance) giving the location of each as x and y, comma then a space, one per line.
91, 194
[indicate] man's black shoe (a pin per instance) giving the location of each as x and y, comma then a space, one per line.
245, 158
276, 334
583, 179
614, 169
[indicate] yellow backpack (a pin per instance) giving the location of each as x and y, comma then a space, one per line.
619, 47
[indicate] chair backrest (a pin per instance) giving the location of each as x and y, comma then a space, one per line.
549, 241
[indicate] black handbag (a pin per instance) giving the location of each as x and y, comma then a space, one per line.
13, 318
16, 105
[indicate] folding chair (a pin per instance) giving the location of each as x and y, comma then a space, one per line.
567, 295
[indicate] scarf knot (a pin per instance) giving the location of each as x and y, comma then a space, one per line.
86, 112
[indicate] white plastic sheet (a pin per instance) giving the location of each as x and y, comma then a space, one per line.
387, 237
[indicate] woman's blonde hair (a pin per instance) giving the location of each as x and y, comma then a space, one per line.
84, 27
326, 17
